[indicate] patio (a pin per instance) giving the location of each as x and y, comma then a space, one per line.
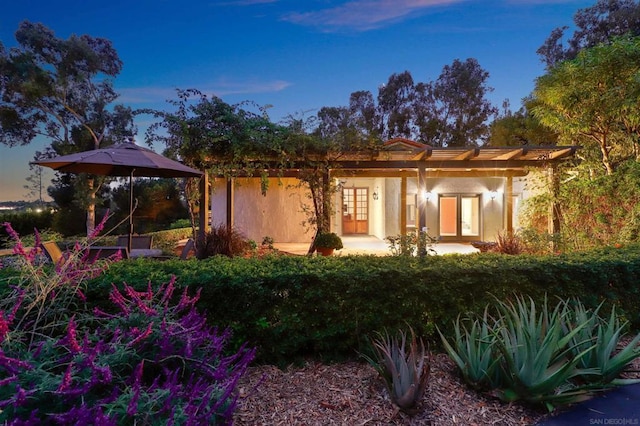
367, 244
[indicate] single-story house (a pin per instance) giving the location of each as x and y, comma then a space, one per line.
460, 194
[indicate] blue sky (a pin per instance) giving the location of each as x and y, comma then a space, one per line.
294, 55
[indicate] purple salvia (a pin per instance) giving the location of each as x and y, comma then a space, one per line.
98, 229
168, 291
4, 327
8, 380
13, 365
142, 335
132, 408
135, 297
66, 379
118, 299
72, 336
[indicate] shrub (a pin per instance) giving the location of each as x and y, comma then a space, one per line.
222, 240
509, 243
329, 240
152, 359
403, 365
531, 353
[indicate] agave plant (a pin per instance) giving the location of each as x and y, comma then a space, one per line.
402, 362
605, 336
474, 352
537, 360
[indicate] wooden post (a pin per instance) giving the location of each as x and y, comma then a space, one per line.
422, 204
509, 205
403, 205
230, 203
553, 218
203, 214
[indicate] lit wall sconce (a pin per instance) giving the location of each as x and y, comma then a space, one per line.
493, 194
375, 194
426, 195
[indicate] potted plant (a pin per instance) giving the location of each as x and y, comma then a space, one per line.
326, 242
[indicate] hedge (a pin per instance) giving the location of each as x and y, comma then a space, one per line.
293, 307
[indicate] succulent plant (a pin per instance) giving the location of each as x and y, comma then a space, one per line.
402, 362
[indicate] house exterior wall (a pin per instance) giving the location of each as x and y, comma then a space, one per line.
492, 210
278, 214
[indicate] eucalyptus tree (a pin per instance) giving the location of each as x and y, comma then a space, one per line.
593, 101
453, 110
520, 128
61, 90
395, 105
597, 24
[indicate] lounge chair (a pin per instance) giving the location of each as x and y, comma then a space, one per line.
52, 251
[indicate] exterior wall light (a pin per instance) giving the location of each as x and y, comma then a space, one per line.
493, 194
375, 194
426, 195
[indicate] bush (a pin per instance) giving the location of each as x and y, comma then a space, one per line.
292, 307
151, 359
222, 240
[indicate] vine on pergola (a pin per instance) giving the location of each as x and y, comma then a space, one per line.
231, 141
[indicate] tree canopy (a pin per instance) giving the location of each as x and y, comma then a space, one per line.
594, 100
597, 24
62, 89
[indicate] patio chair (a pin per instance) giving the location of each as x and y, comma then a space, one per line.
189, 246
104, 252
52, 251
138, 242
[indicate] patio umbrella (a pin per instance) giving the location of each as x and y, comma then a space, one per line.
124, 159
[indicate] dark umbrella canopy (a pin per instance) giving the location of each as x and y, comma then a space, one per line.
125, 159
120, 160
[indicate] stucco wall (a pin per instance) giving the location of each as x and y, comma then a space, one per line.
278, 214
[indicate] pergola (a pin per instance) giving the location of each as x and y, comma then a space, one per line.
403, 158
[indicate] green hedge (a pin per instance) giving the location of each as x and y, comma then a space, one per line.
293, 306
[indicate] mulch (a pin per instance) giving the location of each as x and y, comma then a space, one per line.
353, 394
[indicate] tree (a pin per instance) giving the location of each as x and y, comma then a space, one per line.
594, 25
395, 101
34, 185
62, 90
594, 100
453, 110
520, 128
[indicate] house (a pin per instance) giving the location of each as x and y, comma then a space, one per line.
460, 194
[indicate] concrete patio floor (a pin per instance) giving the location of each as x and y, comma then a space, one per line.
370, 245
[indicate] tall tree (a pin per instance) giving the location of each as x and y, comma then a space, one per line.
62, 90
594, 25
594, 100
520, 128
453, 110
395, 105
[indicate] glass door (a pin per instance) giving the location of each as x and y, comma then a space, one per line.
459, 217
355, 211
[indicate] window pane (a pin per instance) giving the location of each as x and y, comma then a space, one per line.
448, 216
470, 216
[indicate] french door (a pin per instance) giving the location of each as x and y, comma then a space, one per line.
459, 217
355, 211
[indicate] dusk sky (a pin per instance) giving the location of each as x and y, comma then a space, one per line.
295, 55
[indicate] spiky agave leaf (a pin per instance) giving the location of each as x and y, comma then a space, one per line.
402, 365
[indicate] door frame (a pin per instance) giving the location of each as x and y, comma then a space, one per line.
459, 237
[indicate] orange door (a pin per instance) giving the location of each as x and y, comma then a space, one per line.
355, 211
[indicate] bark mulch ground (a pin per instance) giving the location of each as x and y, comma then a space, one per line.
353, 394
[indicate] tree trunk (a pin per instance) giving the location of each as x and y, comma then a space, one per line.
91, 208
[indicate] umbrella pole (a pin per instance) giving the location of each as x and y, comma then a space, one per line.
130, 211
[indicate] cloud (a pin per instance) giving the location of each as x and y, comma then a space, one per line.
363, 15
221, 88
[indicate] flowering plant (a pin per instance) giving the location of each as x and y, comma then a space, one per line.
153, 359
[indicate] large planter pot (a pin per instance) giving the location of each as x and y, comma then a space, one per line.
325, 251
